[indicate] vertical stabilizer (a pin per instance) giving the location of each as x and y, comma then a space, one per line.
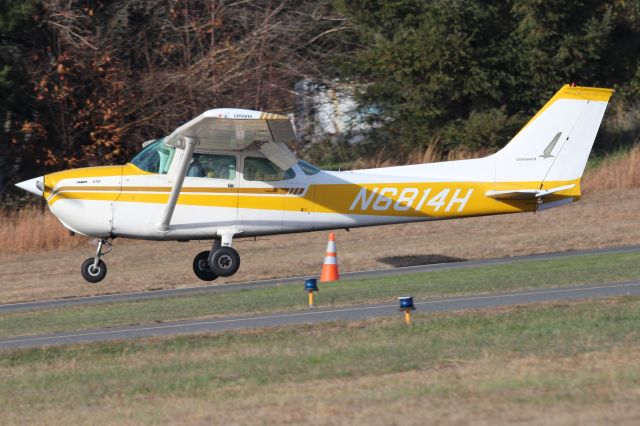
555, 144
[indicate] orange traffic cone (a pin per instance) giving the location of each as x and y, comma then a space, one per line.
330, 265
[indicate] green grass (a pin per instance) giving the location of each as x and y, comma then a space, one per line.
254, 365
585, 269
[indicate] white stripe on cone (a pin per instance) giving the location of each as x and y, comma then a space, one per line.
330, 260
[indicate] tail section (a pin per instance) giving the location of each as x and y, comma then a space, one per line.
550, 152
553, 147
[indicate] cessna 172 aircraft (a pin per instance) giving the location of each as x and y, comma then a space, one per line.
228, 174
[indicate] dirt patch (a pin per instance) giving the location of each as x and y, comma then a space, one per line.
419, 259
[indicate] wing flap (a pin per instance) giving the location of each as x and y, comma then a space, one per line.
279, 154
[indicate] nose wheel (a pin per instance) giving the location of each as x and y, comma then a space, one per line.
93, 273
94, 269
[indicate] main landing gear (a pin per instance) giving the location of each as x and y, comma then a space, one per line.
221, 261
94, 269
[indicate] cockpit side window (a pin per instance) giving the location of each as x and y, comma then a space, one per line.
212, 166
155, 158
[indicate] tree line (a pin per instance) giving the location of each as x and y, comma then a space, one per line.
85, 82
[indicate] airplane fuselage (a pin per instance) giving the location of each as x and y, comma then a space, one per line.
124, 201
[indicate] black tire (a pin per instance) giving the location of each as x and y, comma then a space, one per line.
201, 267
91, 274
224, 261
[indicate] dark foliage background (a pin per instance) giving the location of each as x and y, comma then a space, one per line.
86, 82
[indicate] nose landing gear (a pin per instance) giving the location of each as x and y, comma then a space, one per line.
94, 269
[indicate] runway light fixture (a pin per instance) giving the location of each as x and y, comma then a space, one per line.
406, 306
311, 285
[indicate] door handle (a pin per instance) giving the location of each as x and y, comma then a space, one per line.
230, 185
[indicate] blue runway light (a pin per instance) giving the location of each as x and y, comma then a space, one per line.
310, 284
406, 303
406, 306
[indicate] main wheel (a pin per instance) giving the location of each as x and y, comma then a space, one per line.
201, 267
224, 261
93, 274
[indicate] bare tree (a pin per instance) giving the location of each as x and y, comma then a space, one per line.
121, 72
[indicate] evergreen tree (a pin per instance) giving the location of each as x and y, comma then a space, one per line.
471, 72
17, 30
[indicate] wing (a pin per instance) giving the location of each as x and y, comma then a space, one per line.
237, 130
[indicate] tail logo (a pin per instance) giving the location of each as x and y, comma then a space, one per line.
549, 149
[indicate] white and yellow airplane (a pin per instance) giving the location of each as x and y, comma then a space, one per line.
228, 174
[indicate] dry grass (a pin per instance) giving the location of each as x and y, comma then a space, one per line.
32, 229
430, 154
616, 172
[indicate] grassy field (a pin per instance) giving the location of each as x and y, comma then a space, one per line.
586, 269
550, 364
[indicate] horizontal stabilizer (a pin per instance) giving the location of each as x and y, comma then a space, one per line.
525, 194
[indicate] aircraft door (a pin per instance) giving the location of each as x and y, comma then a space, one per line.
298, 203
263, 189
209, 196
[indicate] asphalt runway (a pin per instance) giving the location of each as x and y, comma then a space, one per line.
120, 297
482, 301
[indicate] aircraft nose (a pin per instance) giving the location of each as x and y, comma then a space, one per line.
34, 186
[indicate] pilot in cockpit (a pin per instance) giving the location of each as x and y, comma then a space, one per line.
212, 166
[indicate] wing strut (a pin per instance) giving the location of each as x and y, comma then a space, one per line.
177, 185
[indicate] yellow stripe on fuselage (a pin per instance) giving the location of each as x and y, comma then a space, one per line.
417, 199
52, 179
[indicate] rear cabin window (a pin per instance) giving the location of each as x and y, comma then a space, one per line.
307, 168
261, 169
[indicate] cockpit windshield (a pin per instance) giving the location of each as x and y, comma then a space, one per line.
155, 157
